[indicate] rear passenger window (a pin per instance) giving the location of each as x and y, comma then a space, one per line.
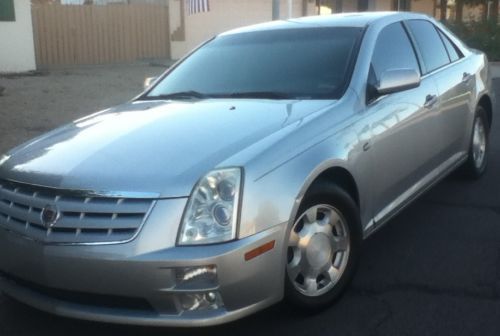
393, 50
429, 44
450, 47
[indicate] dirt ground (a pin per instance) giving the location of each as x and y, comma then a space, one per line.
33, 104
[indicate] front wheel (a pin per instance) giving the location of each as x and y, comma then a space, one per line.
323, 248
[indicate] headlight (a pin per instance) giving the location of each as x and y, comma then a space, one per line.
211, 214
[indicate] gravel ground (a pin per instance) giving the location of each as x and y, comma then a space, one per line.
33, 104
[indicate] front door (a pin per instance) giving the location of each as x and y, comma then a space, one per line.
403, 125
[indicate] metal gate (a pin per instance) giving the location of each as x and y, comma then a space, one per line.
93, 34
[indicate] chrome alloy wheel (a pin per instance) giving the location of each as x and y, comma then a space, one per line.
318, 250
479, 143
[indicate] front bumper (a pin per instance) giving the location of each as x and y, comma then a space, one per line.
137, 282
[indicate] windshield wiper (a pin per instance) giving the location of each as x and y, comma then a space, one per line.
178, 95
199, 95
258, 94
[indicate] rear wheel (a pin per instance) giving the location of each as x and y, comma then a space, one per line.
475, 166
323, 248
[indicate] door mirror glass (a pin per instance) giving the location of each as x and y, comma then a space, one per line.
395, 80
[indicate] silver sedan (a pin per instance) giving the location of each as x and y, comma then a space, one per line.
249, 172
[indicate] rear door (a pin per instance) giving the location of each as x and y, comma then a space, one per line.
444, 63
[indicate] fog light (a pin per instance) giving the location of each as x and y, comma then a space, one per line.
206, 275
200, 301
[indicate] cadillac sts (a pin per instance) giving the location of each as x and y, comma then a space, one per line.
249, 172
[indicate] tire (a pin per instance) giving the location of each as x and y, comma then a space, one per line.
477, 160
323, 248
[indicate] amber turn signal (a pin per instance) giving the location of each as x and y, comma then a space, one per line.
259, 250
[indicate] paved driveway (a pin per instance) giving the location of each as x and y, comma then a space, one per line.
433, 270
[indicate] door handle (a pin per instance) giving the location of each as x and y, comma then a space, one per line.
366, 146
466, 77
430, 101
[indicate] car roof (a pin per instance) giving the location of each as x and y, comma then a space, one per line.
360, 20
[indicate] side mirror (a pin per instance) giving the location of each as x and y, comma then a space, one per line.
148, 81
395, 80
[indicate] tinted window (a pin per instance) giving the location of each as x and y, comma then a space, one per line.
7, 12
429, 44
450, 47
393, 50
296, 63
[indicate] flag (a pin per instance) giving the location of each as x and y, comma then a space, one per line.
197, 6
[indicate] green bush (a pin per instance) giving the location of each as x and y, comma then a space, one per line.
484, 36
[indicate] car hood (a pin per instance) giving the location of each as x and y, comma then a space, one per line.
159, 148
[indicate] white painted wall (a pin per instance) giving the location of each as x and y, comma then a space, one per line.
17, 50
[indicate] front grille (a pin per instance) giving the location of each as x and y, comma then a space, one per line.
82, 219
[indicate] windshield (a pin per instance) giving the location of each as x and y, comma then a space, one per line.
306, 63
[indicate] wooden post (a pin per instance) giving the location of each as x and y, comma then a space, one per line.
494, 11
304, 8
459, 10
338, 6
443, 9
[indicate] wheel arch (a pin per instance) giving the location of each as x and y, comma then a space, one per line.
336, 173
339, 176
